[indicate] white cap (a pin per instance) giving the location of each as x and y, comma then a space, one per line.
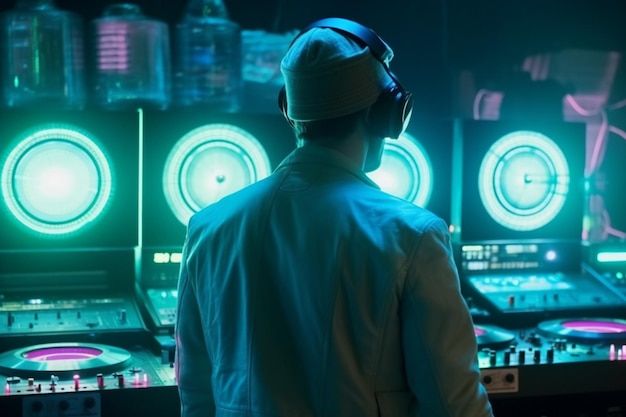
329, 75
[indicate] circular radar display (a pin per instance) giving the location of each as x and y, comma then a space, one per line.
405, 170
56, 181
209, 163
523, 180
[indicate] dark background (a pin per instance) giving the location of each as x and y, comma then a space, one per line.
432, 39
446, 51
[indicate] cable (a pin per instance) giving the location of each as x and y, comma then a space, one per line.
617, 105
617, 131
477, 102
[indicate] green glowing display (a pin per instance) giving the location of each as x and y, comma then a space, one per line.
209, 163
405, 170
56, 181
523, 180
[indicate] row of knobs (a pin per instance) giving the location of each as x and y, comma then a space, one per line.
512, 352
121, 316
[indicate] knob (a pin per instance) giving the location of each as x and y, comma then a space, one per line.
537, 356
64, 405
511, 300
89, 402
36, 406
487, 379
521, 356
533, 339
120, 380
509, 378
507, 357
100, 380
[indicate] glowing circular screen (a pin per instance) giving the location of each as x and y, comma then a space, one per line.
56, 181
523, 180
209, 163
405, 170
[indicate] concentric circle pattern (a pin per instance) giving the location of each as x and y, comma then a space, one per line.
524, 180
209, 163
56, 180
405, 170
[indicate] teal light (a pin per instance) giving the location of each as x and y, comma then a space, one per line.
209, 163
605, 257
56, 181
405, 170
523, 180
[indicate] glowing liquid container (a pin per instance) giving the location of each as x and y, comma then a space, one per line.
208, 58
132, 60
42, 57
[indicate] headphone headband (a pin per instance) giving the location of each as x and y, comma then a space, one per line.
391, 113
359, 33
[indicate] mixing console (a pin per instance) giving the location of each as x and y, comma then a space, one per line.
510, 293
23, 317
80, 375
564, 356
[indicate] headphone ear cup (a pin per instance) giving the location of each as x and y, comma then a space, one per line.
282, 104
388, 115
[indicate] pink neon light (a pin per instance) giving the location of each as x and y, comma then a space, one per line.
595, 326
62, 354
618, 131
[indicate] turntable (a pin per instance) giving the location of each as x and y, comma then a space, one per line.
557, 357
71, 330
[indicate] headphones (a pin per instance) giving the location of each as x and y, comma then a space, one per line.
391, 113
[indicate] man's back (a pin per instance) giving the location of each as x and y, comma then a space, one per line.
318, 295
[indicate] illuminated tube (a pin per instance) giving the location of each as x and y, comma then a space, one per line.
56, 181
405, 170
209, 163
611, 257
523, 180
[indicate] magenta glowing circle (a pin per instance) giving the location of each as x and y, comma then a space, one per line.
209, 163
479, 331
523, 180
63, 353
593, 326
586, 329
56, 180
405, 170
64, 359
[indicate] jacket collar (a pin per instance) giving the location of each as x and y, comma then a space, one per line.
322, 155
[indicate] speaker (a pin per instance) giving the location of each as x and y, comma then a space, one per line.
391, 113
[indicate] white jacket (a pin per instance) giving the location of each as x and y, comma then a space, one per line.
314, 293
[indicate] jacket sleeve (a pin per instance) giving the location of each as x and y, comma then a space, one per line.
438, 334
193, 364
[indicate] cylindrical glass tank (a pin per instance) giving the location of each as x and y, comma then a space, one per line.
132, 60
208, 58
41, 57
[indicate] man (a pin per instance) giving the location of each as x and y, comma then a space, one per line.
312, 292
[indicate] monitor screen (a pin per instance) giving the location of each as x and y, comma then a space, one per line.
417, 166
522, 180
193, 158
69, 179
